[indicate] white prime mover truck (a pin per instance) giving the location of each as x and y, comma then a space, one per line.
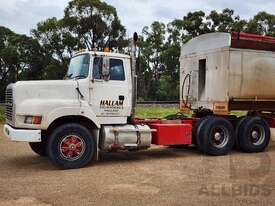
92, 110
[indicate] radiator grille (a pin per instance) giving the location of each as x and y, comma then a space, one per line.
9, 104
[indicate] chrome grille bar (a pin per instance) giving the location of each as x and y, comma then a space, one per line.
9, 104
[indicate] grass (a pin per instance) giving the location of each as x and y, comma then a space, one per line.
161, 112
2, 115
239, 114
155, 112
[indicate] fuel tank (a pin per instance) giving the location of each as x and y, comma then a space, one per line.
126, 137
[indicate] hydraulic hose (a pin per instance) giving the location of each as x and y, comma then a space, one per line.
187, 79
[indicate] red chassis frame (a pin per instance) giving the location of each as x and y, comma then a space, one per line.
178, 132
174, 132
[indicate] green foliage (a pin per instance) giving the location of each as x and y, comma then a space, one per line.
95, 24
155, 111
167, 89
21, 58
263, 23
2, 115
55, 38
225, 21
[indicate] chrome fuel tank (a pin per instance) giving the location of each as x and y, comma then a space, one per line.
128, 137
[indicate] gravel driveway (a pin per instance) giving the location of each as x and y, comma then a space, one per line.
159, 176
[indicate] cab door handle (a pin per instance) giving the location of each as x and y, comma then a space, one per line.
121, 97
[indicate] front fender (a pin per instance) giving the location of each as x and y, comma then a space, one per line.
51, 110
70, 111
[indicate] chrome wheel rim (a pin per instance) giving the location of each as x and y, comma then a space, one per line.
219, 137
257, 135
72, 147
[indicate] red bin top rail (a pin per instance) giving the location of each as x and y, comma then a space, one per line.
252, 41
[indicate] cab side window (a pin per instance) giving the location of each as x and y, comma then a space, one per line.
117, 72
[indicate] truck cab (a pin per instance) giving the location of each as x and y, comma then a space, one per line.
74, 115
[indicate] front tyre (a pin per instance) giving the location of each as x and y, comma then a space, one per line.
71, 146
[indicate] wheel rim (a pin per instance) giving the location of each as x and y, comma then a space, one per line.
219, 137
257, 135
72, 147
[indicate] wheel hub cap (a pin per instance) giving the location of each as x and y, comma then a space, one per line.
255, 135
72, 147
218, 136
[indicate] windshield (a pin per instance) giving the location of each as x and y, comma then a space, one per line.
79, 67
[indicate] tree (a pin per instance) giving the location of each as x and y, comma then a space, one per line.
166, 90
55, 38
32, 58
176, 34
95, 24
154, 40
263, 23
195, 24
225, 21
151, 45
21, 57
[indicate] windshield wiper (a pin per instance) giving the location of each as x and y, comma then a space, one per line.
80, 77
68, 76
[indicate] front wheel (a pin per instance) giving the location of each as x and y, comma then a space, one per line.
71, 146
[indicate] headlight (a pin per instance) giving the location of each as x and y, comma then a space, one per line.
33, 120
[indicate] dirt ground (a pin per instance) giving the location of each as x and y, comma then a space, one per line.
160, 176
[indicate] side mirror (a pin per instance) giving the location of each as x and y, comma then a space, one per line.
106, 68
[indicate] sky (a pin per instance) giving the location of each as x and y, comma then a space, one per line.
22, 15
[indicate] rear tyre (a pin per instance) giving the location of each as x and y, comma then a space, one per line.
196, 129
253, 134
71, 146
216, 136
237, 124
39, 148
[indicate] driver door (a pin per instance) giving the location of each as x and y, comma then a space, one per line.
109, 94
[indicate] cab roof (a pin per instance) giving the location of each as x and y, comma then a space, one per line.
110, 54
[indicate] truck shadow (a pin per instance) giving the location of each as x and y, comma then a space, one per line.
35, 163
146, 155
30, 163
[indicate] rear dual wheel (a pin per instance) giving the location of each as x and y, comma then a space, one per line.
214, 135
253, 134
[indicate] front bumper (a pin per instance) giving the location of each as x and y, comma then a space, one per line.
22, 135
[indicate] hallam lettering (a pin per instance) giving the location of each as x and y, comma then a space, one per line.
111, 104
